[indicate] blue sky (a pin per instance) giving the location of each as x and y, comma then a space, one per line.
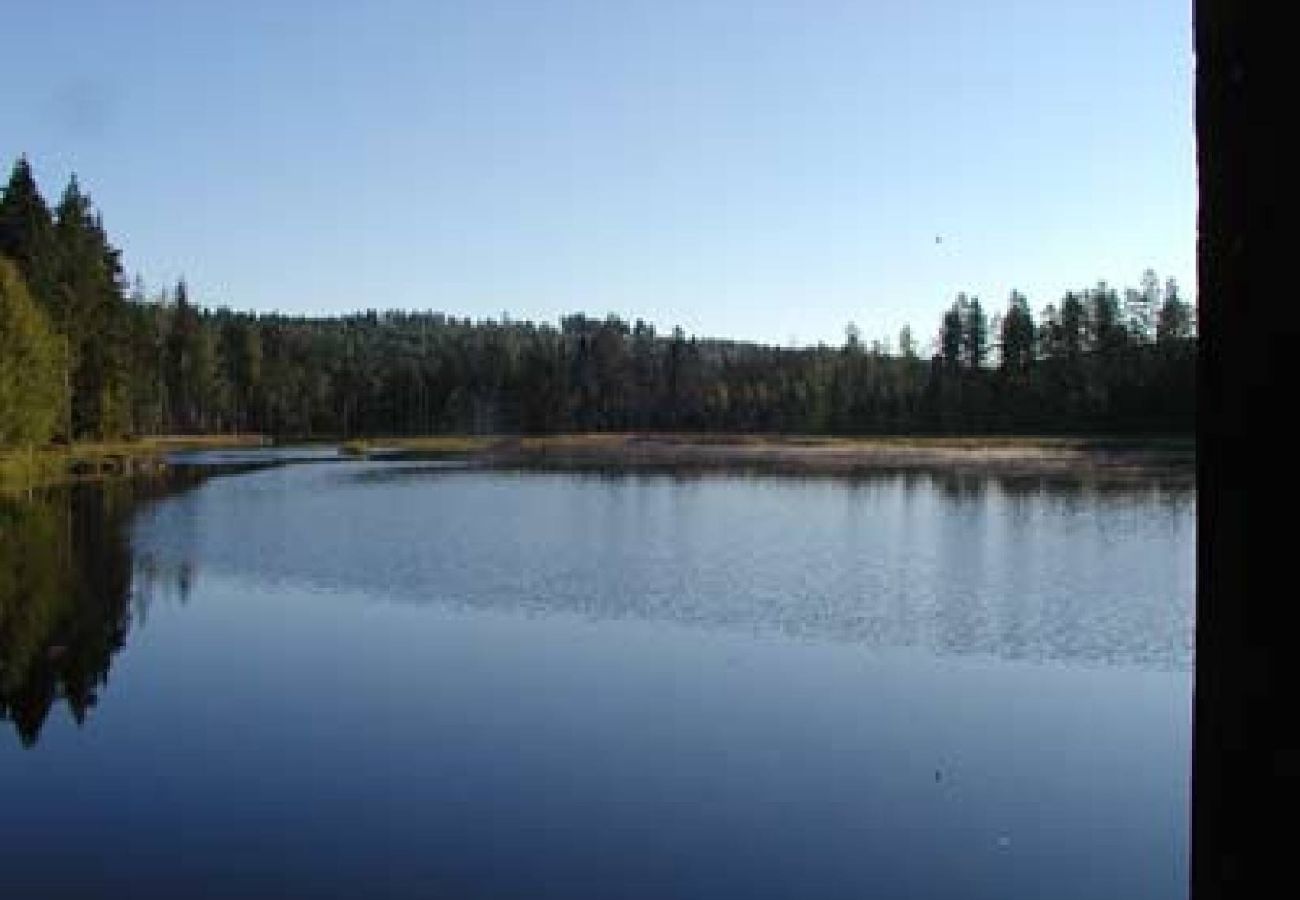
758, 170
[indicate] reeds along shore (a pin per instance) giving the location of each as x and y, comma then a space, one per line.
27, 468
1112, 458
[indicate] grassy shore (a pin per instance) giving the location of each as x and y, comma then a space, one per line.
1105, 457
1098, 457
437, 443
25, 469
822, 442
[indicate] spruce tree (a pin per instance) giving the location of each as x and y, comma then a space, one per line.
27, 233
90, 309
951, 333
975, 334
1174, 322
1017, 336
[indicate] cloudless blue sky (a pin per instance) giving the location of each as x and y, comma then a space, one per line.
757, 170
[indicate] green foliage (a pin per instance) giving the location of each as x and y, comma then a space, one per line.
32, 366
143, 365
1105, 331
408, 373
90, 311
951, 333
1140, 308
906, 342
24, 468
1073, 325
974, 334
1175, 321
1017, 336
74, 275
27, 232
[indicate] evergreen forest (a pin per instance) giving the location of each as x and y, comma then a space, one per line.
88, 354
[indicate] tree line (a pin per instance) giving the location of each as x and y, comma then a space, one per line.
86, 355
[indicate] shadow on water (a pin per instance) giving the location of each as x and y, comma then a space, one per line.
70, 590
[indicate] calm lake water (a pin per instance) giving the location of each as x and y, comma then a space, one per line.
388, 679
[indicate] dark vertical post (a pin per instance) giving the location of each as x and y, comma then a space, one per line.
1218, 717
1246, 552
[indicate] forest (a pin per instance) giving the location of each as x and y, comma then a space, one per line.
88, 354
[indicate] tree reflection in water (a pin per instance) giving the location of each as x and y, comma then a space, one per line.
69, 593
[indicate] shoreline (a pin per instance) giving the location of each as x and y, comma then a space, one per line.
1110, 459
28, 469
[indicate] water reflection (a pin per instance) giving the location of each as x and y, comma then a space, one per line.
385, 675
70, 591
1021, 568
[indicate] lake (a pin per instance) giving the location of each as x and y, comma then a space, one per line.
330, 678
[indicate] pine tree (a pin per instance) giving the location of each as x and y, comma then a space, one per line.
1174, 322
90, 310
1017, 335
182, 357
906, 343
27, 233
1073, 325
951, 333
974, 334
1105, 330
1140, 308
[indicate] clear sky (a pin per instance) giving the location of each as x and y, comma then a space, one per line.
759, 170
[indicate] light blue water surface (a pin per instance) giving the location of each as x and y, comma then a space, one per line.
381, 679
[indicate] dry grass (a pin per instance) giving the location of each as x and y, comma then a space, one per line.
1021, 455
25, 469
434, 443
611, 440
22, 469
